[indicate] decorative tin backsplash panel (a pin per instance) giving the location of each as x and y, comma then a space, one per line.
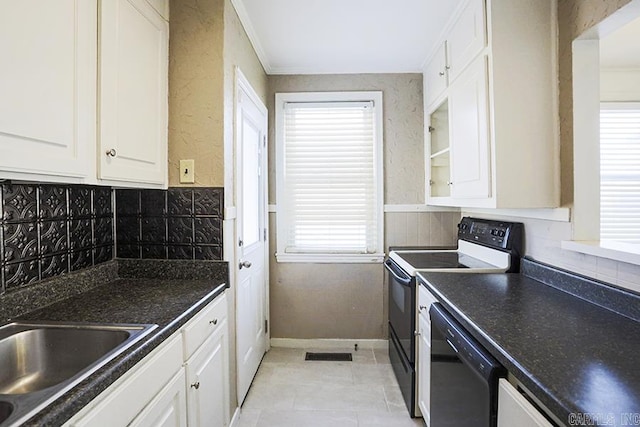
180, 223
48, 229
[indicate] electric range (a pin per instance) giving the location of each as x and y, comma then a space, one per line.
484, 246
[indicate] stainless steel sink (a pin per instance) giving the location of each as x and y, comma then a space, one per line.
5, 411
41, 361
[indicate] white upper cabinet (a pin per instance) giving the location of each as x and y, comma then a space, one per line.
161, 6
469, 134
502, 105
133, 92
466, 39
81, 78
435, 75
47, 88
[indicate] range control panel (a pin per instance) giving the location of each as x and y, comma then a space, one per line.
495, 234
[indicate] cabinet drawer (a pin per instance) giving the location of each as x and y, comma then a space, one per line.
121, 403
209, 320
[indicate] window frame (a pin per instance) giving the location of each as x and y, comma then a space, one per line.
282, 216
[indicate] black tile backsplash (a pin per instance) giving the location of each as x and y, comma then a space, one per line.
51, 229
180, 223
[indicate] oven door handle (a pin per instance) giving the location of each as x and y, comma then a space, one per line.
405, 281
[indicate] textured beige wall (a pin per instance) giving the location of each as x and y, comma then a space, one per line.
350, 300
574, 18
196, 90
207, 42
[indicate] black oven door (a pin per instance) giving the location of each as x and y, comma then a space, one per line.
402, 307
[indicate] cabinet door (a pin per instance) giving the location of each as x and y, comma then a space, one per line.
208, 382
168, 408
125, 399
466, 39
469, 133
424, 366
515, 410
133, 92
435, 77
47, 86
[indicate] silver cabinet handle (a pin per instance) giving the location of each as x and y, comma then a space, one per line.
245, 264
423, 307
196, 385
416, 333
112, 152
441, 73
213, 322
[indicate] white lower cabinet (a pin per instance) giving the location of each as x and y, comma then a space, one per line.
424, 368
172, 386
168, 408
425, 300
207, 379
515, 410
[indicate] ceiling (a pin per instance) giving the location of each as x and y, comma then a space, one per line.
621, 49
344, 36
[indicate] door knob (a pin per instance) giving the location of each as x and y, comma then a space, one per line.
213, 322
112, 152
196, 385
245, 264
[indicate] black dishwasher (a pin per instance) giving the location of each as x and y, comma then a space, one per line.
464, 376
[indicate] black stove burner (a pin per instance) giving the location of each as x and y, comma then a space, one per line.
422, 260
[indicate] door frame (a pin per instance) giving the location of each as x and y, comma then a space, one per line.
242, 83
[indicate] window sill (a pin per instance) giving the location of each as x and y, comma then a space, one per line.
618, 251
330, 258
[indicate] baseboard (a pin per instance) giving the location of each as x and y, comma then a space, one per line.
329, 343
235, 419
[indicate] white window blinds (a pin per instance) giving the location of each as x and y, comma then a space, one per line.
331, 189
620, 172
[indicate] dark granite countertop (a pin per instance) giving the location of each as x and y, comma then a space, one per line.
159, 292
576, 357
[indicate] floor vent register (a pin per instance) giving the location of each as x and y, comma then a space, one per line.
329, 357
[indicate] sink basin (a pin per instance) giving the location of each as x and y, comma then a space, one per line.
5, 411
39, 358
41, 361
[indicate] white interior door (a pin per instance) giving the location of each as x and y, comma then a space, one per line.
251, 249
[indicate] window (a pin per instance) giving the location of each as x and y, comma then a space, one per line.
620, 172
329, 177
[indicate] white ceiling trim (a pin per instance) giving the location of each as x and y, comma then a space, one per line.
251, 33
314, 70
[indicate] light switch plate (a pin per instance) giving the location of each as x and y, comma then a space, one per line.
187, 171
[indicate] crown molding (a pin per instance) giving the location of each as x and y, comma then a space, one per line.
245, 20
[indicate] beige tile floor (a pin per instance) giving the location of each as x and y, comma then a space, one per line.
291, 392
